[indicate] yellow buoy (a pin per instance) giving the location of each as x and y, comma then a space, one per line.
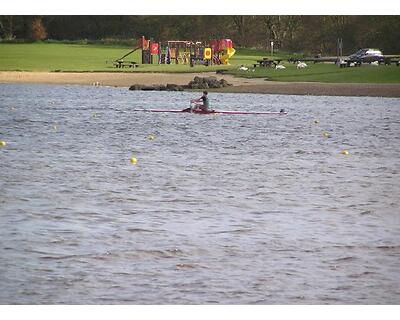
345, 152
133, 160
326, 134
2, 143
151, 137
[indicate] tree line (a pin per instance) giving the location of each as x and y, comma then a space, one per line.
294, 33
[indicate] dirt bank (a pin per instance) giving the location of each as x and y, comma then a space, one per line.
240, 85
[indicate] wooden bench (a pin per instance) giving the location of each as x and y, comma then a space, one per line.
125, 64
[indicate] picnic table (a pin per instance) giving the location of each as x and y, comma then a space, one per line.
125, 64
266, 62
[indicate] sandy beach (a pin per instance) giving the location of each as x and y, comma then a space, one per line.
240, 85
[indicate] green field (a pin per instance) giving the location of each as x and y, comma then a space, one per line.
59, 57
324, 72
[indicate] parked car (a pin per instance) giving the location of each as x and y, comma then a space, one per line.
367, 55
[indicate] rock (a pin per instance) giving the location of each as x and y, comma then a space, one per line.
207, 82
203, 85
196, 83
193, 85
210, 79
148, 88
198, 80
173, 87
135, 87
212, 82
158, 87
225, 83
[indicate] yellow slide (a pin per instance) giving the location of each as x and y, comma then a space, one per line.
229, 53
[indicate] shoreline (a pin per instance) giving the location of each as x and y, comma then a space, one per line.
240, 85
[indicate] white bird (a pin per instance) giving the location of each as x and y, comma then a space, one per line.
243, 68
301, 65
352, 64
279, 66
375, 63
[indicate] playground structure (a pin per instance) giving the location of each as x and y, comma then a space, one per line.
214, 52
222, 50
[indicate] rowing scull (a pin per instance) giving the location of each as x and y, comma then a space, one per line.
212, 111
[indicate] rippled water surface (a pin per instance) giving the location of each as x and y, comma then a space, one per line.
219, 209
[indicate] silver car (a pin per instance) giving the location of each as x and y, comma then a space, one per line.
367, 55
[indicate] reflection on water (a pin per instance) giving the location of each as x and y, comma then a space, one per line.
218, 209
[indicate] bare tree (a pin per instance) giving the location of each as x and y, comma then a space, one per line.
240, 22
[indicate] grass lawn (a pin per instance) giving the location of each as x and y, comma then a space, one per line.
324, 72
53, 57
76, 57
92, 58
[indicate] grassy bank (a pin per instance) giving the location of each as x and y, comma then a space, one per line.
324, 72
67, 57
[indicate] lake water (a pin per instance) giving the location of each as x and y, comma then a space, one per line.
219, 209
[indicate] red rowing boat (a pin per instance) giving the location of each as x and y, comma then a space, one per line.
282, 112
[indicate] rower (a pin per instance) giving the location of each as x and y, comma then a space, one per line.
202, 106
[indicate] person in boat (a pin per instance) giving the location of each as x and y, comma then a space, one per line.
204, 105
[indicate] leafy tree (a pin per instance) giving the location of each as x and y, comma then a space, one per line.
301, 34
